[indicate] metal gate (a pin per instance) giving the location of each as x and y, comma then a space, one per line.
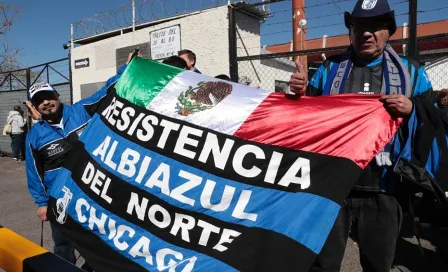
14, 87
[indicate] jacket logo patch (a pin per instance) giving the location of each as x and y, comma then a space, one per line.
54, 151
53, 146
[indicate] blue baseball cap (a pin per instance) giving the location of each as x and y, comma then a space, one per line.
372, 10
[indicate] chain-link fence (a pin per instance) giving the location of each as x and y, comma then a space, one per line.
434, 54
14, 87
272, 71
265, 47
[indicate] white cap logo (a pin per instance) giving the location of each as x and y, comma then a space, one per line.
38, 87
368, 4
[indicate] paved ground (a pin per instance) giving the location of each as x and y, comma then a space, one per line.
17, 212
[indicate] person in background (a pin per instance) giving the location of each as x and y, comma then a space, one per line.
176, 61
50, 140
442, 101
369, 66
15, 118
223, 77
190, 59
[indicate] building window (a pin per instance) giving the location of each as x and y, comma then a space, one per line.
281, 86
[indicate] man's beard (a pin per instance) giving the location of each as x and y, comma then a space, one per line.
54, 117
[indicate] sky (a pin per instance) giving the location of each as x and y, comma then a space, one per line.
43, 26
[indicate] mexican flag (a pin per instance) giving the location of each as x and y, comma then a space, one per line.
178, 171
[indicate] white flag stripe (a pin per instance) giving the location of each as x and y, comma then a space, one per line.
244, 98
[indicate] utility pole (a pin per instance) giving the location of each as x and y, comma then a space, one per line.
299, 34
413, 49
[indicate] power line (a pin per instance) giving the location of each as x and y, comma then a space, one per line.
399, 2
434, 9
337, 6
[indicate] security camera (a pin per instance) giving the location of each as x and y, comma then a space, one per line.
66, 46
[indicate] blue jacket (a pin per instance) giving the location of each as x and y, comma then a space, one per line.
419, 79
421, 87
46, 146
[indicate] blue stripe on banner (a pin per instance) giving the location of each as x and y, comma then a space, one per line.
131, 238
304, 217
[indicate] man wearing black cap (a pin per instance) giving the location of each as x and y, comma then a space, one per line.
369, 66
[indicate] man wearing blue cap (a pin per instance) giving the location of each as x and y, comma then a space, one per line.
369, 66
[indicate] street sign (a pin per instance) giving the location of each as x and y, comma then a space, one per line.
81, 63
165, 42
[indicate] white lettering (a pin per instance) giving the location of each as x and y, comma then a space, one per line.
226, 198
120, 232
226, 237
141, 249
97, 180
115, 112
152, 216
212, 146
185, 226
126, 113
148, 128
143, 169
184, 140
164, 171
101, 150
240, 154
303, 165
104, 191
81, 202
273, 166
110, 155
192, 182
238, 212
87, 176
99, 222
135, 205
167, 128
135, 124
112, 228
129, 159
107, 111
160, 258
207, 229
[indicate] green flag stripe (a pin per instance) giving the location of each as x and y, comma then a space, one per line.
143, 79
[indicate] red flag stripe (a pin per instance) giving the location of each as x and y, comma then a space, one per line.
356, 127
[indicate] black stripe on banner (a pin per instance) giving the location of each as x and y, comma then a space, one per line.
255, 249
48, 262
99, 255
330, 177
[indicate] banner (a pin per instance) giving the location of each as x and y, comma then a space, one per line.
177, 171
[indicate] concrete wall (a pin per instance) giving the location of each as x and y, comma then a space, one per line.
205, 33
438, 74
